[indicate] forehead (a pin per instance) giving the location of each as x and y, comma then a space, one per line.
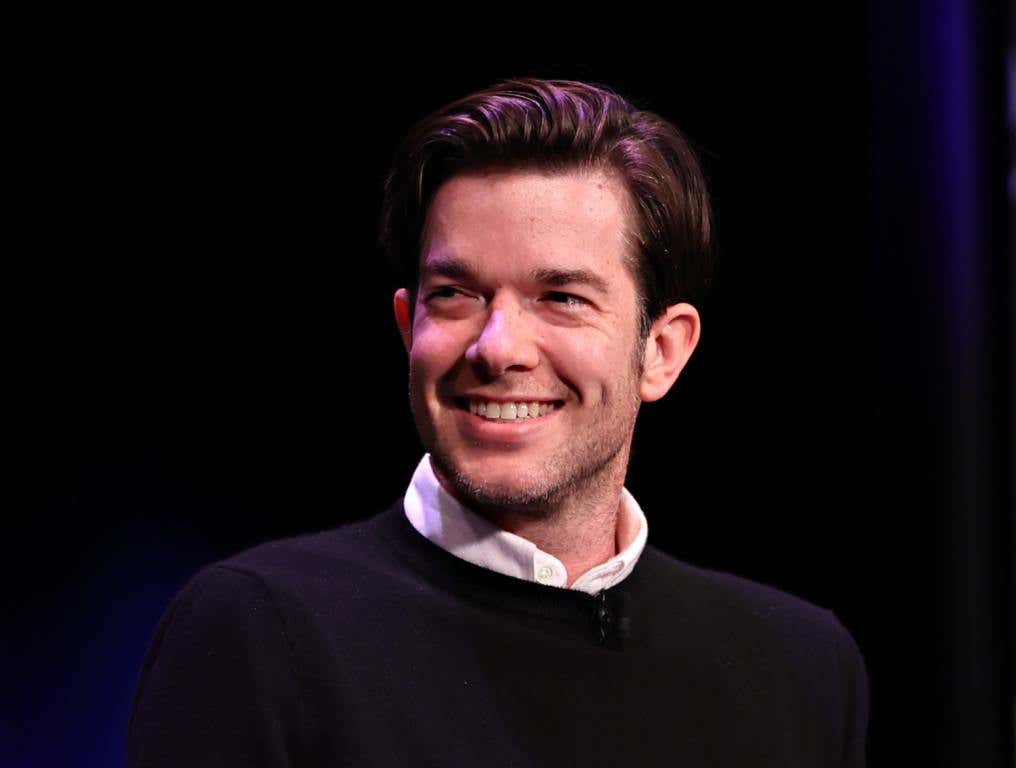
504, 220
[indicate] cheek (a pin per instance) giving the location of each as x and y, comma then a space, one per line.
588, 364
432, 355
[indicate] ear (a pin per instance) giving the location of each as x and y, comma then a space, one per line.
404, 317
671, 341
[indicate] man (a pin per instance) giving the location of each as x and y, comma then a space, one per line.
508, 611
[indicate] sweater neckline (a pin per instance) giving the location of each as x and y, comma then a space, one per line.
601, 613
442, 519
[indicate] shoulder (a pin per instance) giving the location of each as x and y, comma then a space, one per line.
719, 593
322, 564
765, 639
218, 674
253, 608
256, 592
733, 609
226, 669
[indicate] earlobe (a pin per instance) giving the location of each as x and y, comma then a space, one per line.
671, 341
403, 317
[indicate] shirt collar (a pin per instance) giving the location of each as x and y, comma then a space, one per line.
438, 516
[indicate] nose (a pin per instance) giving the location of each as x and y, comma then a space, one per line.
505, 342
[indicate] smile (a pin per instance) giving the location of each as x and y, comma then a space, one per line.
501, 410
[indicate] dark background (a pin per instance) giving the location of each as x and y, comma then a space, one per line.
204, 354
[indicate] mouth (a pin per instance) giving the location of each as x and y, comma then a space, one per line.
508, 410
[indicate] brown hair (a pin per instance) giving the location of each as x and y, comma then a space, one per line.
559, 125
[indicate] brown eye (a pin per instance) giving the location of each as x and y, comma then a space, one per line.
569, 300
444, 292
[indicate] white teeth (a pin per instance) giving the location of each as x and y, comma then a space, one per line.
510, 411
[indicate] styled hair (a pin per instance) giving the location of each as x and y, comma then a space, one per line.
557, 126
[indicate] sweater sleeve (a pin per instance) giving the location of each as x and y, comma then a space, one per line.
856, 702
217, 685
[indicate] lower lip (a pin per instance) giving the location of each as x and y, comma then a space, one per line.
504, 430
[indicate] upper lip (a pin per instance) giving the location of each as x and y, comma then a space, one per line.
508, 398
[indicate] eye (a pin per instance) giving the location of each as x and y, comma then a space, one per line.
444, 292
569, 300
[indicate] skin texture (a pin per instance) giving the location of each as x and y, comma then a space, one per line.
524, 295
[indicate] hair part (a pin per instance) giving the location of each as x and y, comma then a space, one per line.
559, 126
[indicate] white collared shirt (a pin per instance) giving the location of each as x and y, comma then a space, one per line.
438, 516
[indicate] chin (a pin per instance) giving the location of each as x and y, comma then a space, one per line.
505, 490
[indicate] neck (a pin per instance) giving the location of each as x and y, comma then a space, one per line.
580, 536
580, 529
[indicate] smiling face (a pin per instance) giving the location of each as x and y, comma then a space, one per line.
524, 353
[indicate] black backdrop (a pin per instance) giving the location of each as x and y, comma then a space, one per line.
204, 328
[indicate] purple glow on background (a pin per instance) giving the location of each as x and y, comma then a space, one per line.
956, 237
949, 55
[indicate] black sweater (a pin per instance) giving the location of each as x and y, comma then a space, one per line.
371, 646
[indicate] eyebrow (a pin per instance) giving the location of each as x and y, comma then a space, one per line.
558, 278
444, 266
454, 269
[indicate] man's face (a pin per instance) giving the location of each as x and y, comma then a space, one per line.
524, 298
